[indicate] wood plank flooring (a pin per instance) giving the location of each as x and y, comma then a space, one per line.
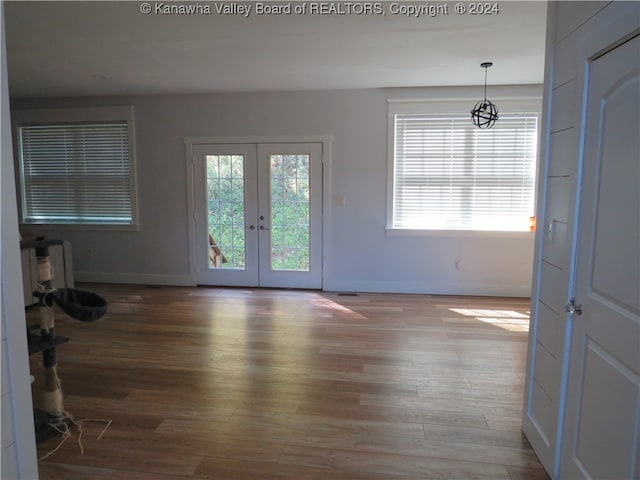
212, 383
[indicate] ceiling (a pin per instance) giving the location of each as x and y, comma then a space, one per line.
82, 48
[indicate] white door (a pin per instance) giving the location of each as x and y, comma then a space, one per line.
290, 215
601, 438
226, 213
258, 214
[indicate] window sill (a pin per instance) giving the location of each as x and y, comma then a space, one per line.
410, 232
77, 227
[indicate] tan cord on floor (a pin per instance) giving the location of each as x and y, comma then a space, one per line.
66, 432
65, 436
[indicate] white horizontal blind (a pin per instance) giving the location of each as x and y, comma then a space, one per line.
76, 173
451, 175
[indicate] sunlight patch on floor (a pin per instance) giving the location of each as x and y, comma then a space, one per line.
336, 307
506, 319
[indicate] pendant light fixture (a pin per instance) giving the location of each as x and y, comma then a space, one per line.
485, 113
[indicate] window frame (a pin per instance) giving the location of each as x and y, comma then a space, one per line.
53, 116
450, 106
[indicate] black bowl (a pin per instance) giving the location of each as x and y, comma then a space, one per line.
80, 304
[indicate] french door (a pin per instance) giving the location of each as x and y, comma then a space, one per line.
258, 214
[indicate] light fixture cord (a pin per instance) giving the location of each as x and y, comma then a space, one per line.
485, 84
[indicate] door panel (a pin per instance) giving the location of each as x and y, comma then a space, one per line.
559, 208
553, 291
543, 412
603, 400
597, 421
291, 209
564, 103
226, 209
561, 146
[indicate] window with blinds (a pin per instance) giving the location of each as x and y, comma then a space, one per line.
450, 175
76, 173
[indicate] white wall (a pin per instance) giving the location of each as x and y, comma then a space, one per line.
359, 255
18, 435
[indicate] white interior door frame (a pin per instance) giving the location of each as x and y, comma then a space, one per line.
191, 142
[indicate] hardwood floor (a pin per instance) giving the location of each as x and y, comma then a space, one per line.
210, 383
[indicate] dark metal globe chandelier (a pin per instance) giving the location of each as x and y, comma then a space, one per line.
485, 113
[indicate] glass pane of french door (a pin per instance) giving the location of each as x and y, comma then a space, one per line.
225, 211
290, 205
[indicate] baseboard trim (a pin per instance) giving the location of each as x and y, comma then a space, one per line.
134, 278
484, 290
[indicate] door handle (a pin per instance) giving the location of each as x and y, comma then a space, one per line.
572, 309
251, 227
262, 227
